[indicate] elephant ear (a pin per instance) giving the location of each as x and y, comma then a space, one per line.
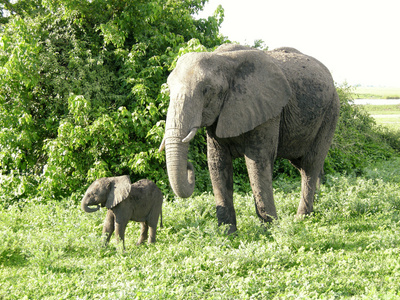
258, 92
119, 190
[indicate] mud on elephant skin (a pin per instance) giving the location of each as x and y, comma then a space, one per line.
140, 202
256, 104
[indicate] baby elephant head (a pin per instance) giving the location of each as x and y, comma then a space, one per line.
107, 191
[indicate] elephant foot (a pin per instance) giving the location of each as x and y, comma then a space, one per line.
226, 216
302, 216
140, 241
230, 229
106, 240
268, 219
303, 210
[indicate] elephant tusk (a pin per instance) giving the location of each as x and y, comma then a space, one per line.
162, 146
187, 139
190, 136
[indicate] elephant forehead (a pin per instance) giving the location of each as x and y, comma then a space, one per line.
95, 185
98, 185
194, 58
187, 78
179, 90
192, 65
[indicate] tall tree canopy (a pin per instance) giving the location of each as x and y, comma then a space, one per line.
81, 88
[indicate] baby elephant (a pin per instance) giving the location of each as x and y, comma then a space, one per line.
140, 202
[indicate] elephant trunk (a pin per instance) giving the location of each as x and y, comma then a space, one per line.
85, 207
180, 170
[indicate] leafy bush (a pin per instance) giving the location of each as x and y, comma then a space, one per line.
358, 140
80, 90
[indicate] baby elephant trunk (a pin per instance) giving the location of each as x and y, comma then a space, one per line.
85, 207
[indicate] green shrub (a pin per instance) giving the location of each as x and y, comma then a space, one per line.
358, 141
81, 90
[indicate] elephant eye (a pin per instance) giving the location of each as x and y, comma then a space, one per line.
206, 90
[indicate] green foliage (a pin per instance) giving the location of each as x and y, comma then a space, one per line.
80, 93
358, 141
376, 92
260, 44
349, 248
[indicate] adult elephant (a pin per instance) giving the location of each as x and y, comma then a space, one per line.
256, 104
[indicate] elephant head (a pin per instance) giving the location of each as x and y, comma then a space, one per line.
107, 191
234, 88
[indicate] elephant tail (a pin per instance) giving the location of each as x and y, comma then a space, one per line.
161, 224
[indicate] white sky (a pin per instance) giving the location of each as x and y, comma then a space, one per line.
358, 40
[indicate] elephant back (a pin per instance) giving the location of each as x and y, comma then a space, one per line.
312, 84
146, 189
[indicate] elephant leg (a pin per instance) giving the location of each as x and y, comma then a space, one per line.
310, 170
260, 174
108, 227
309, 180
260, 154
144, 228
221, 173
152, 234
120, 232
152, 223
311, 165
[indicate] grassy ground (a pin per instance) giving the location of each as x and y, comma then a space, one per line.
348, 248
376, 92
386, 115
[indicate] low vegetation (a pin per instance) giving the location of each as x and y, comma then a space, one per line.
358, 140
376, 93
348, 248
385, 115
382, 109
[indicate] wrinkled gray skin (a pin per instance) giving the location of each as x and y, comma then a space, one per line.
140, 202
256, 104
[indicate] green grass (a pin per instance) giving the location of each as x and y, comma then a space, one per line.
383, 109
376, 93
348, 248
386, 115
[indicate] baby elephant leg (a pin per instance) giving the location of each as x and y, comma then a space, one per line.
120, 232
144, 228
152, 234
108, 227
152, 223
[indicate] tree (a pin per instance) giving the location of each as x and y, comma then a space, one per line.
81, 89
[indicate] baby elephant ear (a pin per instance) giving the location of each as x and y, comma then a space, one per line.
119, 190
259, 91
